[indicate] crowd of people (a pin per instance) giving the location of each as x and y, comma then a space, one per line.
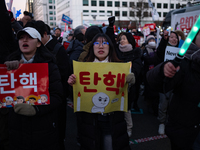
171, 92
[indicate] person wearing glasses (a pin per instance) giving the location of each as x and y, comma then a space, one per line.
102, 131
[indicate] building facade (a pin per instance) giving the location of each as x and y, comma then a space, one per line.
45, 10
96, 12
89, 12
29, 6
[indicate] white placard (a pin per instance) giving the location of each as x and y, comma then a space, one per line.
171, 52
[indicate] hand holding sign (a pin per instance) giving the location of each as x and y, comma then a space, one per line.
170, 70
72, 80
24, 109
11, 65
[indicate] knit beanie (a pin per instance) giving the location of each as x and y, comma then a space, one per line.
149, 38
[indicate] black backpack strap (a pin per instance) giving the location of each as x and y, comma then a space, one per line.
56, 48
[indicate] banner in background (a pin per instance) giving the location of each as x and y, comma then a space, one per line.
100, 87
151, 26
184, 21
27, 84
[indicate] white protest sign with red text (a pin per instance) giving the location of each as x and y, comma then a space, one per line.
184, 21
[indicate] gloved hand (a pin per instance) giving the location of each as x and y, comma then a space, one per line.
11, 65
11, 16
111, 21
130, 78
24, 109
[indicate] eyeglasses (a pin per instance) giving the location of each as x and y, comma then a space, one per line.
103, 43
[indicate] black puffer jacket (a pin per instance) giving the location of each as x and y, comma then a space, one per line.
38, 132
184, 110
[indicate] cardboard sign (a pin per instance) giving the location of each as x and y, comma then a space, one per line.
171, 52
27, 84
100, 87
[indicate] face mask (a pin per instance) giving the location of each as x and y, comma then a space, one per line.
153, 44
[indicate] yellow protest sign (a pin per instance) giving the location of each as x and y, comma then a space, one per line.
100, 87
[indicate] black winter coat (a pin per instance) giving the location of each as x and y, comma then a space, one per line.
7, 44
184, 111
38, 132
89, 132
133, 56
62, 61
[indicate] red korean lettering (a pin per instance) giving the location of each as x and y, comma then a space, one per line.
187, 21
195, 19
84, 79
89, 90
183, 23
190, 22
120, 79
109, 79
96, 78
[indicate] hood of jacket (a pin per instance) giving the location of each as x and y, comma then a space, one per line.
85, 52
193, 53
74, 45
87, 46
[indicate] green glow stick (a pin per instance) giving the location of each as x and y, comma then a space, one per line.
190, 37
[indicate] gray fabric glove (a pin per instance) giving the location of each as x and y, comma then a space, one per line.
130, 78
24, 109
11, 65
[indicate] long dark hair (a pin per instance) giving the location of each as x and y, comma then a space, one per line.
112, 57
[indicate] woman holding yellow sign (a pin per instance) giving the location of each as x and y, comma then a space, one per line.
103, 131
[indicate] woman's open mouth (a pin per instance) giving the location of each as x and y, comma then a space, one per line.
25, 45
100, 52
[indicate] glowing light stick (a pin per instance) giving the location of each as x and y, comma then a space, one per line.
190, 37
187, 42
